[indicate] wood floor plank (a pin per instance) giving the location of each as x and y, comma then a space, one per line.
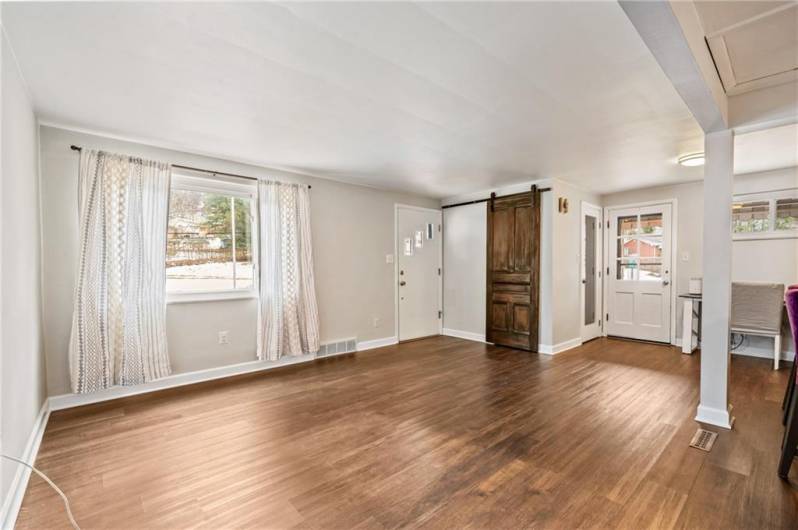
436, 433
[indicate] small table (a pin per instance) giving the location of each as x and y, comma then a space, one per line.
691, 308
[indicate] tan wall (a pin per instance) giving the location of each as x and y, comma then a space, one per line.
22, 370
352, 232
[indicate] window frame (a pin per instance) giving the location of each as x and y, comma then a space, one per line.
771, 232
233, 187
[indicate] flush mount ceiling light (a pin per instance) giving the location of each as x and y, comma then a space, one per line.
696, 159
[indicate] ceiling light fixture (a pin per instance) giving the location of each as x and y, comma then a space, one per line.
693, 160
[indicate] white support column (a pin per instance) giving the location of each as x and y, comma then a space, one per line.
714, 405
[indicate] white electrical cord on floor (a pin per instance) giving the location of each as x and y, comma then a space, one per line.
52, 485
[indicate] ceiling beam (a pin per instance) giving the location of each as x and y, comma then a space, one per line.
673, 33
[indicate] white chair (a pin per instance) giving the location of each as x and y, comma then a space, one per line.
757, 310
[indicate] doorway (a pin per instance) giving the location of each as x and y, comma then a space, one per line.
418, 272
590, 298
639, 272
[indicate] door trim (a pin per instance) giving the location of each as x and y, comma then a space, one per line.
396, 207
674, 261
600, 282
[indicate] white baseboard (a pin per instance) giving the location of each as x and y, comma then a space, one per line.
65, 401
718, 417
553, 349
376, 343
16, 491
468, 335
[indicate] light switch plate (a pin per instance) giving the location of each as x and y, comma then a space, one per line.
685, 256
389, 258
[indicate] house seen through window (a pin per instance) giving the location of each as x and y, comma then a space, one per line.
210, 236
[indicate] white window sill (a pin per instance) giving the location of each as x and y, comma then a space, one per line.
212, 296
755, 236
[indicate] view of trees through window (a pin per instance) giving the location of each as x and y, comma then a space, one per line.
209, 242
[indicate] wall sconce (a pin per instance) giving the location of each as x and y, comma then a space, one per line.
562, 204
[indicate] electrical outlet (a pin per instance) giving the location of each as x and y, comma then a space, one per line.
224, 337
376, 322
389, 258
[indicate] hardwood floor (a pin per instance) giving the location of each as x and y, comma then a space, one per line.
436, 433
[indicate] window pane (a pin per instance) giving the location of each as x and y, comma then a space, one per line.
752, 216
651, 224
627, 247
627, 225
650, 247
243, 231
626, 270
650, 270
199, 253
787, 214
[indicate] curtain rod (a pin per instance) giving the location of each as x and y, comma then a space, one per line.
477, 201
78, 148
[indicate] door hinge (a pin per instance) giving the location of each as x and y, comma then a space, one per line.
439, 228
608, 317
439, 271
608, 271
608, 224
440, 314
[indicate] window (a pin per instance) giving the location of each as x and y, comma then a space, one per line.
787, 214
752, 216
765, 215
639, 241
210, 244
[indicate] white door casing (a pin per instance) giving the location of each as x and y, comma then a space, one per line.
639, 289
591, 272
418, 272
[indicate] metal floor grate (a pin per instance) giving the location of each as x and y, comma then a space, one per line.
703, 439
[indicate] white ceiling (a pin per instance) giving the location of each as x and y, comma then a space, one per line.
439, 99
754, 43
766, 149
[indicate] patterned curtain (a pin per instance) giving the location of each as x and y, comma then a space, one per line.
288, 320
119, 321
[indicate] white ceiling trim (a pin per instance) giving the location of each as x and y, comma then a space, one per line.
744, 22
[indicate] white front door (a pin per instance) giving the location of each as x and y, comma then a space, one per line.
638, 281
418, 269
590, 307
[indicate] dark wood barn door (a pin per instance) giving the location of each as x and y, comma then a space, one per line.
513, 282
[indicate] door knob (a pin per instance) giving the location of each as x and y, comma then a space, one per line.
584, 281
665, 282
402, 283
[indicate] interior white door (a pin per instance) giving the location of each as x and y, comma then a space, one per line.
639, 277
591, 272
418, 268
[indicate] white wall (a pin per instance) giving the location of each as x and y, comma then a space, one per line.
759, 260
23, 372
464, 267
352, 232
465, 261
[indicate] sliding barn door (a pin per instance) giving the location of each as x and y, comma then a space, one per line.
513, 283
